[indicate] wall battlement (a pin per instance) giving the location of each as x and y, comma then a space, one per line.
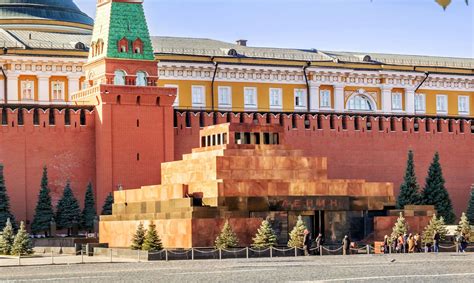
46, 118
332, 122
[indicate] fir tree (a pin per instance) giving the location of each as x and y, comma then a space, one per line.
409, 190
67, 210
152, 241
7, 238
5, 213
227, 238
265, 236
297, 234
436, 225
470, 208
89, 213
435, 192
44, 208
138, 237
107, 208
400, 227
464, 228
22, 244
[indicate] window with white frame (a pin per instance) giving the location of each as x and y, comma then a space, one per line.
250, 97
442, 104
325, 99
176, 101
420, 102
57, 91
396, 101
359, 103
27, 90
225, 97
119, 78
198, 95
463, 104
300, 98
141, 79
276, 98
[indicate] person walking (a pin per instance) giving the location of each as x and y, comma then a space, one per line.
436, 239
405, 243
417, 243
346, 245
306, 242
400, 244
386, 245
462, 243
411, 244
319, 243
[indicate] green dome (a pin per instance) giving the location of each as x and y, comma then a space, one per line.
30, 11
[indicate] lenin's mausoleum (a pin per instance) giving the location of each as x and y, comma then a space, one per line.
188, 132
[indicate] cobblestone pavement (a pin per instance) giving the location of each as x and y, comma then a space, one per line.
360, 268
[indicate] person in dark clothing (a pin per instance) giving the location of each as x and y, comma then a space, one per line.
386, 245
346, 245
319, 243
405, 243
307, 242
436, 239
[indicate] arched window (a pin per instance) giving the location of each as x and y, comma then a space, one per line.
360, 103
119, 78
138, 46
141, 79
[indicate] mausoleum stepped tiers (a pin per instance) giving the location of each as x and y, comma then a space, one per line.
241, 172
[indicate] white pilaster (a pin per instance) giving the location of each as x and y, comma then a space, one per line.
12, 85
314, 97
2, 91
410, 101
386, 99
339, 98
73, 85
43, 88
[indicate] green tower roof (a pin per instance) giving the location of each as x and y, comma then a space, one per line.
118, 20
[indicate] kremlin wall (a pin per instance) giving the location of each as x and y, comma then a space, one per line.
376, 153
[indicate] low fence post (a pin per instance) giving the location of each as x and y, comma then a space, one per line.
192, 253
271, 252
296, 251
166, 255
247, 252
368, 249
390, 249
220, 254
19, 260
52, 256
321, 250
457, 248
82, 257
138, 255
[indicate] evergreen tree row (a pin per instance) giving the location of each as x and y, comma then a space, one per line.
434, 192
11, 244
67, 214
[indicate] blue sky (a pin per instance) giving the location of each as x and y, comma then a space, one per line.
388, 26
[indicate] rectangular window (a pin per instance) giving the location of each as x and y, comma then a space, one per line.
397, 101
442, 104
250, 97
300, 98
198, 96
176, 101
27, 90
57, 91
420, 102
463, 105
325, 99
225, 97
276, 98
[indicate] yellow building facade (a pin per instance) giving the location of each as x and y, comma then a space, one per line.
43, 58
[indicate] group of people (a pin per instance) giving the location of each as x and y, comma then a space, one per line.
407, 243
309, 245
462, 242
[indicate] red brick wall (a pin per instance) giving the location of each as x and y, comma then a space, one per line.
375, 155
67, 151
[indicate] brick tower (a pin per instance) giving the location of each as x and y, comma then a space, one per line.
134, 117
